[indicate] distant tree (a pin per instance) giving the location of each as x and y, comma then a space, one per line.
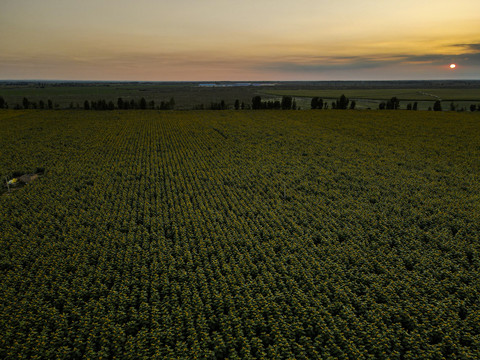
50, 104
342, 102
256, 102
242, 106
218, 106
453, 107
133, 104
334, 105
352, 104
320, 104
26, 103
316, 103
382, 106
437, 106
409, 106
415, 106
41, 104
393, 104
237, 104
473, 107
294, 105
111, 105
151, 104
478, 107
86, 105
71, 105
2, 103
286, 102
143, 103
120, 103
171, 103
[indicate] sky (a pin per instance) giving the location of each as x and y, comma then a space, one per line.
219, 40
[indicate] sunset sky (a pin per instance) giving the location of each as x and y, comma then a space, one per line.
153, 40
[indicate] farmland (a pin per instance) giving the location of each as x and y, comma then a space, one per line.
189, 95
240, 234
461, 98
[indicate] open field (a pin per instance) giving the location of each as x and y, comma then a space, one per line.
370, 98
386, 94
241, 235
187, 95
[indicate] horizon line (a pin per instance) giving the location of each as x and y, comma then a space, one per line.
232, 81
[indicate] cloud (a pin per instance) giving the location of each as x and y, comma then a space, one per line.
205, 65
470, 48
352, 63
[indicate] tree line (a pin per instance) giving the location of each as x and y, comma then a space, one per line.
286, 103
26, 104
100, 104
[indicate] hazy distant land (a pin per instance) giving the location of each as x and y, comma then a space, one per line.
190, 95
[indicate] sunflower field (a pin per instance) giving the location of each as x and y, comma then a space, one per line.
240, 235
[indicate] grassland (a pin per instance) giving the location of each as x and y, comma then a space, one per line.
462, 98
386, 94
188, 95
254, 234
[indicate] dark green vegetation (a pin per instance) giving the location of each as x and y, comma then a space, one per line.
454, 94
261, 234
454, 99
65, 95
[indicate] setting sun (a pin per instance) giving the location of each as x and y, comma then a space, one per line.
453, 66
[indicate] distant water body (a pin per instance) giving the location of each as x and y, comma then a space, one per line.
234, 84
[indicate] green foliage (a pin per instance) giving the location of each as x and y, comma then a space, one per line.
218, 105
143, 103
306, 234
316, 103
26, 103
393, 104
258, 104
286, 102
418, 94
342, 103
